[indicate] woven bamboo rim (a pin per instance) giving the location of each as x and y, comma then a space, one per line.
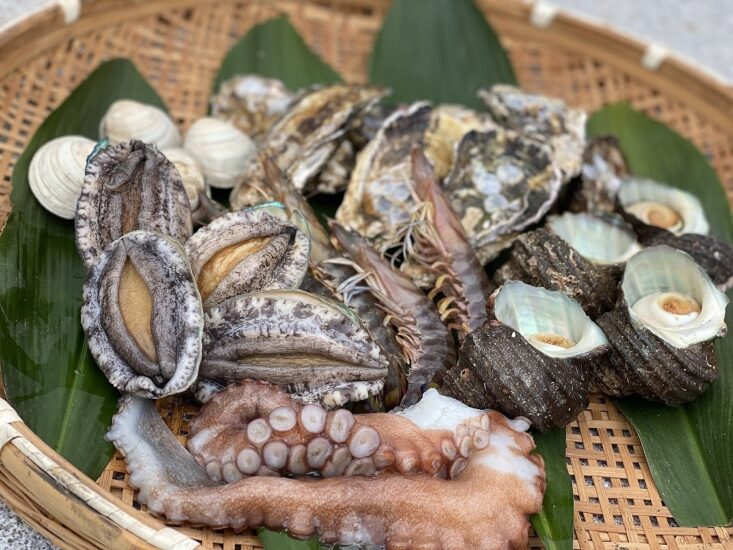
43, 57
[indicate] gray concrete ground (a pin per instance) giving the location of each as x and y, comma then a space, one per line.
700, 30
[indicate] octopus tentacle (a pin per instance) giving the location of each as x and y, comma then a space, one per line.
263, 426
487, 506
426, 342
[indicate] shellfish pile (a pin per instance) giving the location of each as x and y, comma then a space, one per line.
452, 279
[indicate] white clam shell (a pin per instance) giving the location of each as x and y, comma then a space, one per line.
192, 173
56, 173
533, 311
660, 270
223, 150
128, 119
637, 196
598, 240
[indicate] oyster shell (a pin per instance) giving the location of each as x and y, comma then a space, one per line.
378, 199
547, 119
248, 251
127, 119
604, 166
661, 333
56, 174
501, 183
294, 339
142, 315
126, 187
251, 102
646, 202
533, 359
223, 151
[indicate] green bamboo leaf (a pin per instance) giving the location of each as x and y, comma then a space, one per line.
689, 448
273, 540
554, 523
275, 49
50, 376
439, 50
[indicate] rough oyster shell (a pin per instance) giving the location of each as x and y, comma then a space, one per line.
291, 338
248, 251
501, 182
127, 119
661, 333
379, 199
604, 166
251, 102
223, 151
126, 187
142, 315
547, 119
532, 360
56, 174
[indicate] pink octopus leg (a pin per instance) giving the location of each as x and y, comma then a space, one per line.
254, 428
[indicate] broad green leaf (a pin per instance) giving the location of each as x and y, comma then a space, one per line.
273, 540
275, 49
50, 376
689, 448
440, 50
554, 523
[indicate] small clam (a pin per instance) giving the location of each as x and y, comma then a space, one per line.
661, 333
581, 255
251, 102
298, 340
650, 203
142, 315
56, 174
126, 187
223, 151
533, 359
127, 119
248, 251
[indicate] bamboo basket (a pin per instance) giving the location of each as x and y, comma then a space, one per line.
178, 45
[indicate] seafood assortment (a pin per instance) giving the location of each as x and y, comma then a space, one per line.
453, 287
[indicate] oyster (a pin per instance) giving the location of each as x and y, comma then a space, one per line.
247, 251
223, 151
661, 333
251, 102
56, 174
665, 215
649, 203
126, 187
533, 359
604, 166
314, 347
547, 119
142, 315
378, 199
127, 119
501, 183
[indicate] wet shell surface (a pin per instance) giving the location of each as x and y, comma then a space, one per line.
251, 102
126, 187
501, 182
127, 119
248, 251
547, 119
142, 316
297, 340
533, 359
56, 174
649, 203
543, 258
661, 333
604, 166
223, 151
191, 172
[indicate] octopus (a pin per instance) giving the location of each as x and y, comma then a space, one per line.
486, 504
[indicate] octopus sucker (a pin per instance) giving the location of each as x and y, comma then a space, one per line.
487, 505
